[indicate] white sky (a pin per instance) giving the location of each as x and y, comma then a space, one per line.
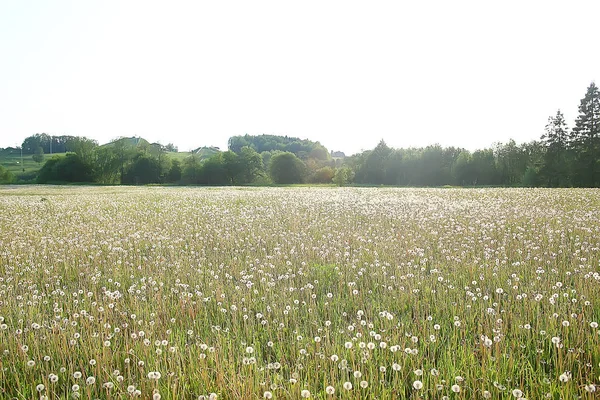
346, 73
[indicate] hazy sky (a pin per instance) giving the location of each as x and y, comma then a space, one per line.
346, 73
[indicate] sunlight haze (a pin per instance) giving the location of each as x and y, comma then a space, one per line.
345, 73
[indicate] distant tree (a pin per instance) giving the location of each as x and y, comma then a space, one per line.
83, 147
436, 165
251, 164
319, 152
237, 142
106, 165
302, 148
556, 165
323, 175
31, 143
213, 171
266, 159
286, 168
125, 151
171, 148
175, 172
483, 167
511, 163
372, 170
530, 177
585, 138
343, 176
232, 167
143, 170
192, 169
462, 170
65, 168
38, 155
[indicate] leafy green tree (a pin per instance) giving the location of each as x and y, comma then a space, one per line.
286, 168
192, 170
106, 165
213, 171
373, 168
65, 168
511, 163
319, 152
323, 175
266, 159
483, 167
585, 138
175, 172
462, 170
232, 167
83, 147
171, 148
125, 151
343, 176
31, 143
38, 155
531, 177
300, 147
251, 165
143, 170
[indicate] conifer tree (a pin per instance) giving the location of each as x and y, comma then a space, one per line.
556, 140
585, 138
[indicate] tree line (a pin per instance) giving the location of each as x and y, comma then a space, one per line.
562, 157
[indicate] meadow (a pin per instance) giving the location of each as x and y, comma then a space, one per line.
287, 293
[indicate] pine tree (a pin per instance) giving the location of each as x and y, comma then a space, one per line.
585, 138
557, 141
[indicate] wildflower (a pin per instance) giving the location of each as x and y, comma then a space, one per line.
305, 394
418, 385
347, 385
455, 388
591, 388
154, 375
330, 390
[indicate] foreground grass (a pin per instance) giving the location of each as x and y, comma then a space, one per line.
291, 292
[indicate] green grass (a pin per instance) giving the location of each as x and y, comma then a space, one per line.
27, 168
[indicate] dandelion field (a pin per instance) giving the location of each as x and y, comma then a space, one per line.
285, 293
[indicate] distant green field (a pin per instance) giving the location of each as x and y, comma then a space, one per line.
27, 169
